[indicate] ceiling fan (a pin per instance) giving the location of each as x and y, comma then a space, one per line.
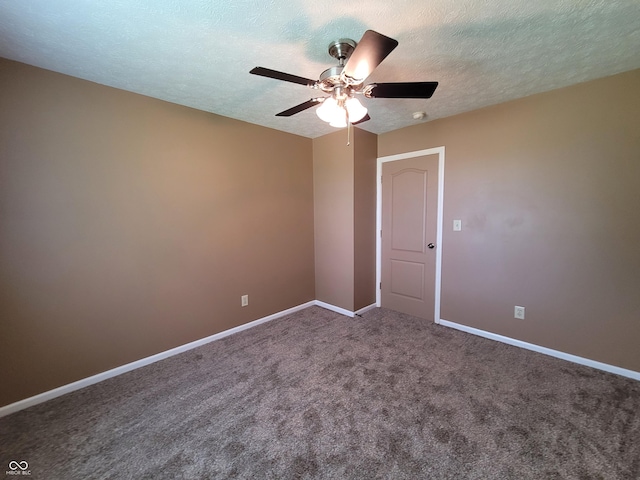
356, 61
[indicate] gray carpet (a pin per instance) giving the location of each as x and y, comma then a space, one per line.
319, 395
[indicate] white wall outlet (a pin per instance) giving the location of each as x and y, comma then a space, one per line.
244, 300
518, 312
457, 225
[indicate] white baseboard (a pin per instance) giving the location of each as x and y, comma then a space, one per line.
85, 382
544, 350
366, 309
333, 308
344, 311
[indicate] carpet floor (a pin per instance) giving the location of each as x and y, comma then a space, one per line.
319, 395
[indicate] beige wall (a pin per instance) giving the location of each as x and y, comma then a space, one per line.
548, 190
129, 226
364, 222
333, 177
345, 219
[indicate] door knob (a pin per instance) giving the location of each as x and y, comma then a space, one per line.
431, 245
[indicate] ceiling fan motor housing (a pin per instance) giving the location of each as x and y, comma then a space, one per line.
330, 78
342, 49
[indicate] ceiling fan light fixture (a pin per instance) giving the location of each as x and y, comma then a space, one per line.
334, 112
355, 109
340, 118
328, 110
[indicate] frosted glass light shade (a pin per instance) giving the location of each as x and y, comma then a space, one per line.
355, 109
340, 118
328, 110
336, 116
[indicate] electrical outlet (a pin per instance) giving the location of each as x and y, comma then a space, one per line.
518, 312
244, 300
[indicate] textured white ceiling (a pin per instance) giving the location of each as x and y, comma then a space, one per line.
198, 53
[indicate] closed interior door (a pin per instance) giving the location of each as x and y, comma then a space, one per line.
409, 227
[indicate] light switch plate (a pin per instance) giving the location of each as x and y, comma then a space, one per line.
457, 225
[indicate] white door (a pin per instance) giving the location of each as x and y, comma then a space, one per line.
409, 232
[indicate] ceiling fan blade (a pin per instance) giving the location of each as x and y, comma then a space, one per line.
286, 77
401, 90
300, 108
362, 120
372, 49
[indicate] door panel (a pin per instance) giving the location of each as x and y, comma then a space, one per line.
409, 224
407, 279
408, 209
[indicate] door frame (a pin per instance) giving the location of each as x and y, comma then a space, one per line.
440, 209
